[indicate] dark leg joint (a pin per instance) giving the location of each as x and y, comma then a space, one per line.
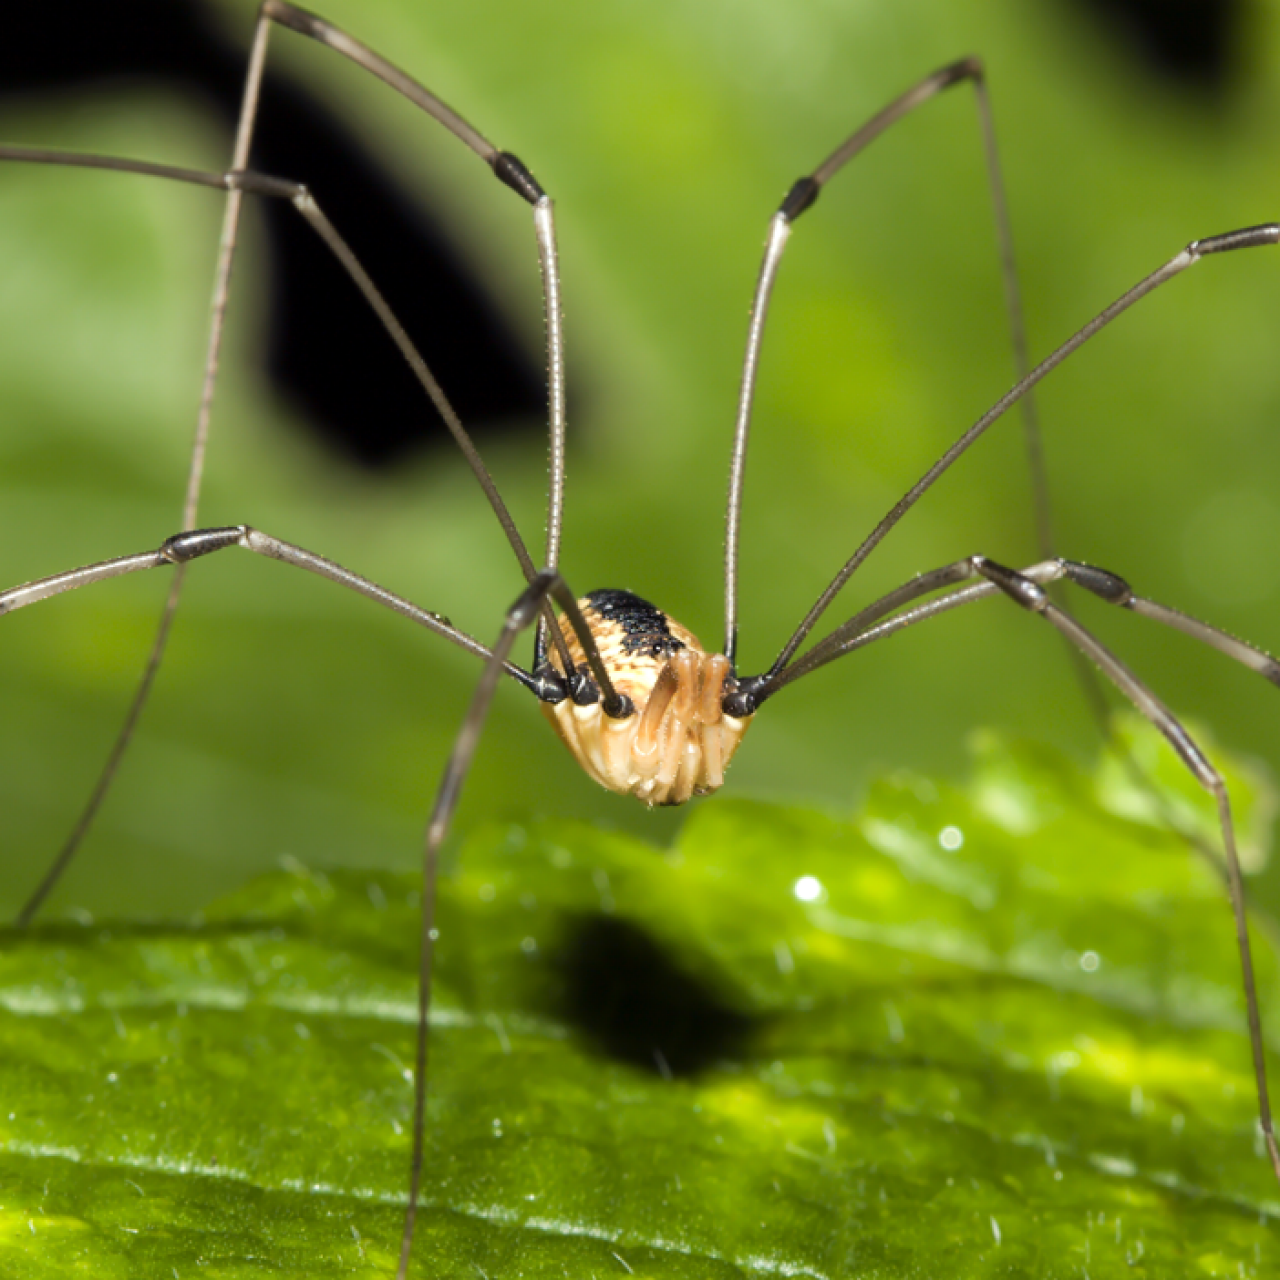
263, 184
200, 542
1030, 595
1106, 586
295, 19
583, 690
969, 68
1246, 238
515, 173
799, 198
745, 697
548, 685
586, 693
620, 707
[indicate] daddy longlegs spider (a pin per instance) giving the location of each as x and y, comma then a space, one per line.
685, 714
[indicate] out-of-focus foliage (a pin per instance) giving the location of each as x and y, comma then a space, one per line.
294, 720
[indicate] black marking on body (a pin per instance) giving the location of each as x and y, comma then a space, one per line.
646, 629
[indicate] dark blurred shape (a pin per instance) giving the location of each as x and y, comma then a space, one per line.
625, 994
1194, 43
326, 350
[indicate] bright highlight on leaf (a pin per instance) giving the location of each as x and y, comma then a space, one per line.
1021, 1054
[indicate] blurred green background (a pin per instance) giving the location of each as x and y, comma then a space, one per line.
293, 720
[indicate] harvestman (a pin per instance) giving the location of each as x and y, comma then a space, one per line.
635, 697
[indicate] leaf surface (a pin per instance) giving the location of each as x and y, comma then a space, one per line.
973, 1032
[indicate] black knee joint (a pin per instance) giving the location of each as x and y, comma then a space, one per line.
801, 196
583, 690
515, 173
744, 696
1105, 585
200, 542
1017, 586
548, 685
621, 708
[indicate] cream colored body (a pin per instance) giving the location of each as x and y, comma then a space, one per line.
678, 742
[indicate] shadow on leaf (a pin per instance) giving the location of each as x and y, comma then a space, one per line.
627, 997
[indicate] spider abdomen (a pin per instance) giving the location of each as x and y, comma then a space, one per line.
678, 742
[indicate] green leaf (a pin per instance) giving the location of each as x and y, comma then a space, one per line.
967, 1032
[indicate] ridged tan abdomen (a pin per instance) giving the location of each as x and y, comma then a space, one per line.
678, 742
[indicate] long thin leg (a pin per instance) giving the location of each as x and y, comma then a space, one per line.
521, 614
185, 547
887, 616
188, 546
515, 174
192, 544
243, 181
236, 183
115, 757
802, 194
1033, 597
1245, 238
868, 625
299, 195
191, 496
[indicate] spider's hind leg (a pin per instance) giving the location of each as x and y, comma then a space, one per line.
1034, 597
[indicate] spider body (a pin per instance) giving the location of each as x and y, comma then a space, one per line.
680, 740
